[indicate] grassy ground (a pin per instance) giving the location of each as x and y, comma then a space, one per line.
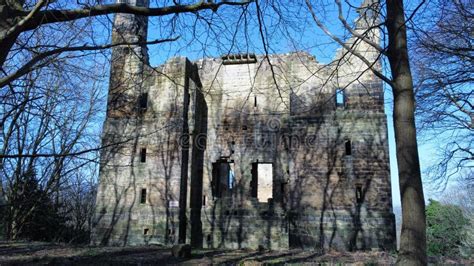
20, 253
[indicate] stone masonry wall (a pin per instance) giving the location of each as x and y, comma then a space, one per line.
170, 128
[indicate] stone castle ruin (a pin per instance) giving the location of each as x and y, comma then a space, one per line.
244, 151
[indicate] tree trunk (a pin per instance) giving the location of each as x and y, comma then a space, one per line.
413, 235
7, 45
7, 21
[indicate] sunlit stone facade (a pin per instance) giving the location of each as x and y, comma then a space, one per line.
244, 151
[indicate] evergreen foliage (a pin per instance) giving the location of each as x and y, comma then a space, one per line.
445, 225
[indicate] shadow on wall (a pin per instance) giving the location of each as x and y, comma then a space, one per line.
145, 159
330, 183
329, 180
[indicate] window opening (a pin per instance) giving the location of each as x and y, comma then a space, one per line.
222, 178
143, 101
348, 147
340, 98
262, 181
359, 194
231, 175
143, 196
254, 181
143, 155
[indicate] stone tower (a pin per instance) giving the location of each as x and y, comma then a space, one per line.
245, 151
147, 158
128, 61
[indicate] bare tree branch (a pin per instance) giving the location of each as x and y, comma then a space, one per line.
343, 44
53, 16
31, 64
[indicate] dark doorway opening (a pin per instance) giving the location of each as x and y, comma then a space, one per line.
223, 178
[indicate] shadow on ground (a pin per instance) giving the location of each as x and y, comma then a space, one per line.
56, 254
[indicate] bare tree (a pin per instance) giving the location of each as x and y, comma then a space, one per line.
20, 16
444, 63
413, 235
55, 119
77, 203
52, 92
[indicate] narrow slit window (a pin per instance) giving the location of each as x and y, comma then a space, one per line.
231, 174
143, 155
255, 101
203, 200
348, 147
340, 98
359, 194
143, 196
143, 101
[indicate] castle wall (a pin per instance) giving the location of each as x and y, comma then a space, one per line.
121, 215
184, 143
314, 200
